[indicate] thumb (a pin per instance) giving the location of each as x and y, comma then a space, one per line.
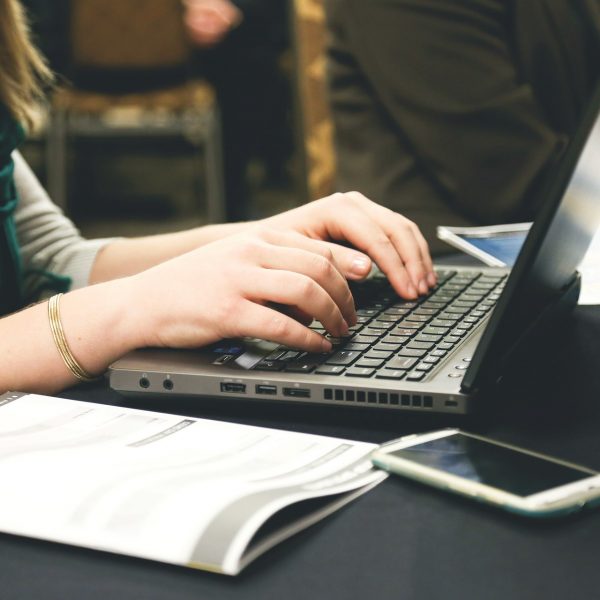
352, 263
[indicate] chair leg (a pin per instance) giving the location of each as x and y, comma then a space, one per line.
56, 159
213, 163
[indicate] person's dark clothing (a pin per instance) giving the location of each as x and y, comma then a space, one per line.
453, 112
253, 95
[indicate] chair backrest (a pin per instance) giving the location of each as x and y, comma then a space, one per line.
124, 37
316, 129
128, 33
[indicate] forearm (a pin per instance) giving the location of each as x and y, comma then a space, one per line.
129, 256
99, 325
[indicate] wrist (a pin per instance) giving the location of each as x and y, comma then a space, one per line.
101, 323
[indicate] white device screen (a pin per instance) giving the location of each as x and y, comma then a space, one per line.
504, 246
503, 468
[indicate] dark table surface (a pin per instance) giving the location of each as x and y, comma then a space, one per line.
401, 540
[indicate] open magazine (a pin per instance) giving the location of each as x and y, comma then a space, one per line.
205, 494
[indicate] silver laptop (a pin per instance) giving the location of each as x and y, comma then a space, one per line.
434, 355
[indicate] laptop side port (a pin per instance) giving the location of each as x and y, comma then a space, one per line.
296, 392
266, 389
233, 388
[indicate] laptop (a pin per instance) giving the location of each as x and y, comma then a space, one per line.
437, 354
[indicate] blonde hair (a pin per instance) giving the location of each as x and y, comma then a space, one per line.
23, 71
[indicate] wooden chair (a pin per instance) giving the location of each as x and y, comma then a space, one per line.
130, 67
314, 122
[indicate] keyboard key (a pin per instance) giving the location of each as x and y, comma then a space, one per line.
427, 312
427, 337
424, 367
389, 318
390, 374
432, 360
276, 354
420, 345
343, 357
361, 338
412, 352
387, 345
356, 346
269, 365
372, 363
330, 370
359, 372
379, 354
401, 332
300, 366
438, 352
378, 324
370, 331
401, 363
395, 312
416, 376
434, 330
417, 318
441, 323
444, 346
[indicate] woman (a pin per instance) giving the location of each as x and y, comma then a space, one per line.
180, 290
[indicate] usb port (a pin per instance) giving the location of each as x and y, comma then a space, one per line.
296, 392
233, 388
266, 389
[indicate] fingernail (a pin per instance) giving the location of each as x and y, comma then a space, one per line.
360, 265
423, 287
344, 329
431, 278
412, 291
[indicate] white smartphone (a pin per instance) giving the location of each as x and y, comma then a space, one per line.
512, 478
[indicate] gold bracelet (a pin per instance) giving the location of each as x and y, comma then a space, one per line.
58, 335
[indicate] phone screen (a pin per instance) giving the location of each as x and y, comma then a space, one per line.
503, 246
503, 468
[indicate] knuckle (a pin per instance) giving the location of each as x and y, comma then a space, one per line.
307, 288
248, 246
322, 266
280, 327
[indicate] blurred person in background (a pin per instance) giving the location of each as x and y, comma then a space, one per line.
241, 44
265, 279
453, 112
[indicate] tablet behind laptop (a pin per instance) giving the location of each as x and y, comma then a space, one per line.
434, 355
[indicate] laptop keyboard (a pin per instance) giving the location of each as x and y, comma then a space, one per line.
398, 339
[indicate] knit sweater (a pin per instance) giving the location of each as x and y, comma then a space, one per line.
48, 240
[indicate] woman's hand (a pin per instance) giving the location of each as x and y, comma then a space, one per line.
264, 283
392, 241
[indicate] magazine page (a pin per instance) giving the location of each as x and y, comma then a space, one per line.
165, 487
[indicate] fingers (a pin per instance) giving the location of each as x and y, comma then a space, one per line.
392, 241
297, 290
315, 259
268, 324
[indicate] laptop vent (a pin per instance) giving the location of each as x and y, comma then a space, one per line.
361, 397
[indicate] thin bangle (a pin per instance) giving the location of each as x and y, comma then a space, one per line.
58, 335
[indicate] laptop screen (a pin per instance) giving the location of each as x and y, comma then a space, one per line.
557, 242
